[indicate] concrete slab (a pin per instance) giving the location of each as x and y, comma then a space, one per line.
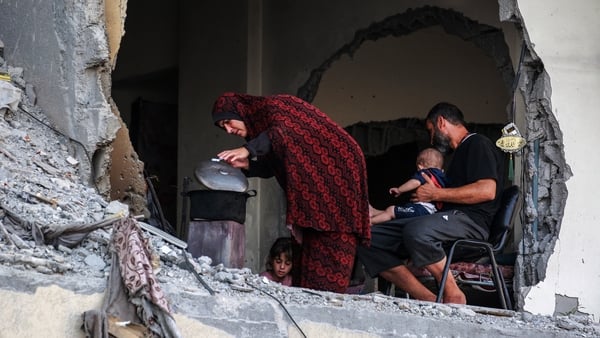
52, 305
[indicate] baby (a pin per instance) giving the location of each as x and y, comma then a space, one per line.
429, 161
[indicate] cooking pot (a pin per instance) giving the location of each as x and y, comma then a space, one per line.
216, 174
219, 205
226, 196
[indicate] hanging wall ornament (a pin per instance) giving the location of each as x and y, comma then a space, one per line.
510, 142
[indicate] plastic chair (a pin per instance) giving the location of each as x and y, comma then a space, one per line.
501, 226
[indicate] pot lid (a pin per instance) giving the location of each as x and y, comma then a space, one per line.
220, 175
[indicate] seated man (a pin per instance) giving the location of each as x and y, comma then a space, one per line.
471, 199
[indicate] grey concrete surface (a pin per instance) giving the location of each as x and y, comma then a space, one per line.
296, 312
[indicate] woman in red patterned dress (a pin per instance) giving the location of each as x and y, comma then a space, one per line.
320, 167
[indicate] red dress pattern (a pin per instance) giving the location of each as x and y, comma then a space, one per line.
319, 165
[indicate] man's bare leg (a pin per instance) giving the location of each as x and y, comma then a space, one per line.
405, 280
452, 293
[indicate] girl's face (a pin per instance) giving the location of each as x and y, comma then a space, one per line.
282, 265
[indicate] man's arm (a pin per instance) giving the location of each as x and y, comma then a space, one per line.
479, 191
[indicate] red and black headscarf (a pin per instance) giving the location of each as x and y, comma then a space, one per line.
320, 166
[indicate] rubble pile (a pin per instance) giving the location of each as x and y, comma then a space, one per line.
41, 195
40, 189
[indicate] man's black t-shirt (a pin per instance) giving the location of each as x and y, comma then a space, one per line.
474, 159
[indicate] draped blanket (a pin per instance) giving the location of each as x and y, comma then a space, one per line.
133, 294
134, 263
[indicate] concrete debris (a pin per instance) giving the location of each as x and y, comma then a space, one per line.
40, 189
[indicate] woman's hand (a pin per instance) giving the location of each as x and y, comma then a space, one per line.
238, 157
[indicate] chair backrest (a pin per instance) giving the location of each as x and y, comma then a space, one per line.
502, 222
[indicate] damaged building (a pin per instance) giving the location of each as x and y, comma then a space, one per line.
106, 103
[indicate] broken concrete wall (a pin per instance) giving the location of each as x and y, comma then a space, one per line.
63, 47
373, 76
52, 306
70, 77
284, 70
565, 39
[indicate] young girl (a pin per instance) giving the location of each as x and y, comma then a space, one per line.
279, 262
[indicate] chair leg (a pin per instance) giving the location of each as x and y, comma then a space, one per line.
442, 283
384, 286
498, 279
505, 288
390, 290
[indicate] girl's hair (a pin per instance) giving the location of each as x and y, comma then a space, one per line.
281, 245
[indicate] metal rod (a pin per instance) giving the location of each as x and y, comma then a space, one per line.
193, 270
